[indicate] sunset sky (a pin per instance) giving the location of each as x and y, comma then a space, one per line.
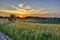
43, 8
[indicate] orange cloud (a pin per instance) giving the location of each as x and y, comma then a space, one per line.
22, 11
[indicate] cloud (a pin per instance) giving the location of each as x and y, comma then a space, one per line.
15, 7
21, 5
24, 6
28, 7
13, 11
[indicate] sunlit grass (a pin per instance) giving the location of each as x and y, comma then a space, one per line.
31, 31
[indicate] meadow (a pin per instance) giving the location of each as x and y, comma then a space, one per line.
21, 30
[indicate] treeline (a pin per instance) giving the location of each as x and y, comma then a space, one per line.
53, 20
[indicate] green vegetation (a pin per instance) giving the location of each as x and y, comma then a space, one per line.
31, 31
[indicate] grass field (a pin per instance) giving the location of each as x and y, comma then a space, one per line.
31, 31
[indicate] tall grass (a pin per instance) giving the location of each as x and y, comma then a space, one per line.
31, 31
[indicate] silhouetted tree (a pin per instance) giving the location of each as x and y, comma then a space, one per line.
12, 18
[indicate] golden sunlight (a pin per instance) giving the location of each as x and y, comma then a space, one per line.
22, 13
21, 16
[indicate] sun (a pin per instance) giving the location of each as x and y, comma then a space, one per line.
21, 16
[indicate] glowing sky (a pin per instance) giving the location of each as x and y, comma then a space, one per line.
33, 7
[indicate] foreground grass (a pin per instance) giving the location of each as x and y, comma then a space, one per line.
31, 31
